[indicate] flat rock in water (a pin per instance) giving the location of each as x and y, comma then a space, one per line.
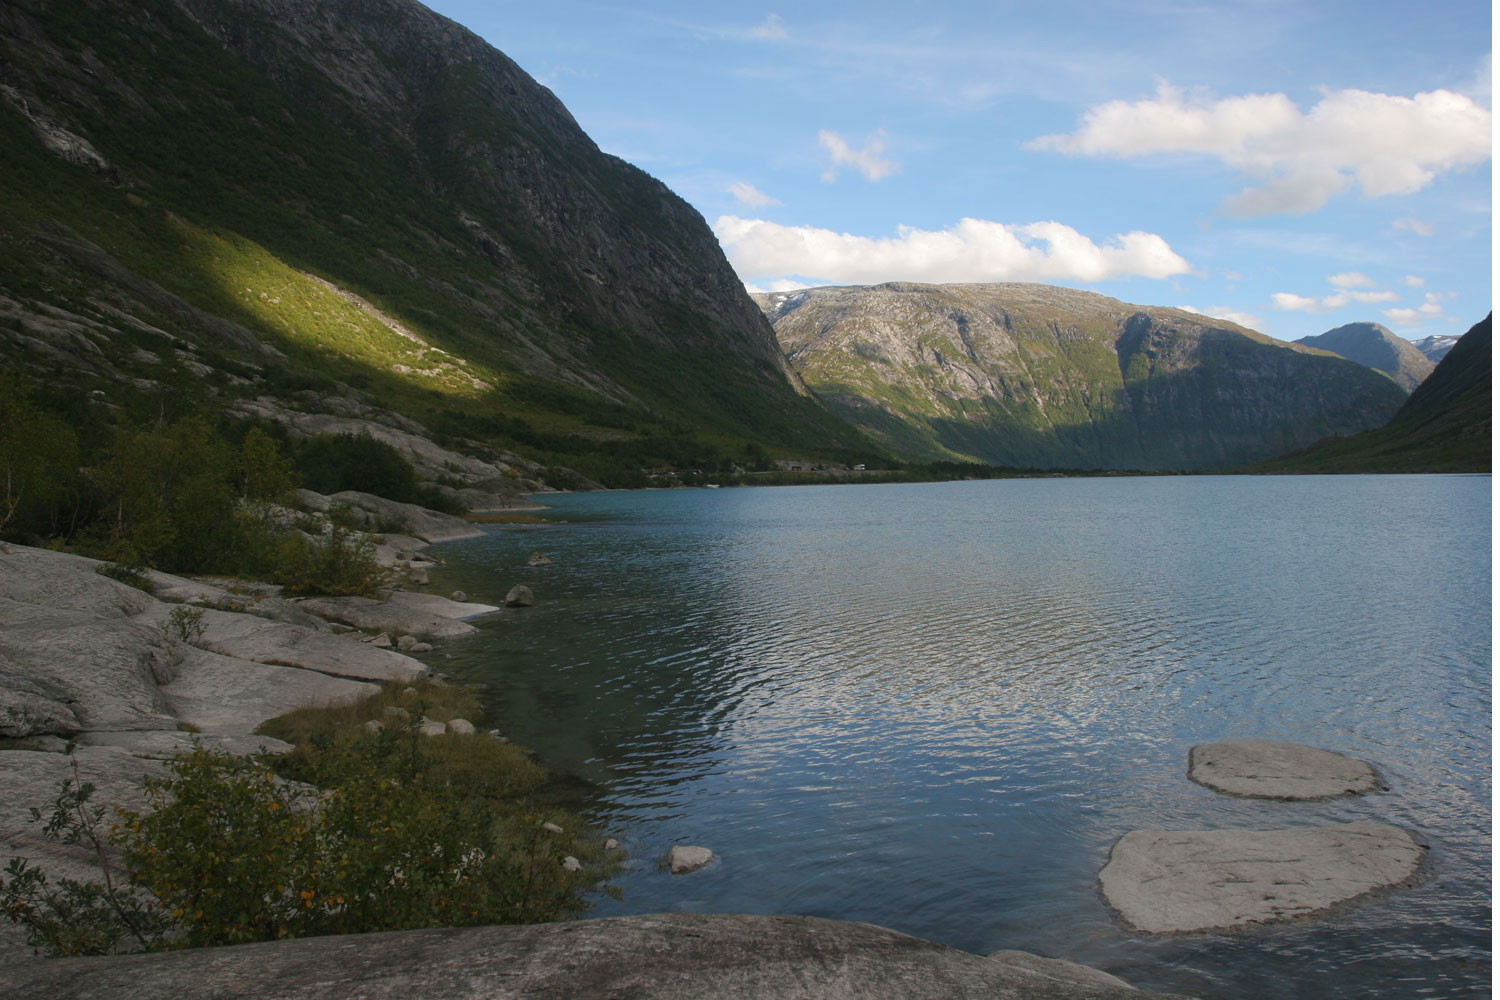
688, 859
678, 956
1166, 882
399, 614
1265, 770
441, 607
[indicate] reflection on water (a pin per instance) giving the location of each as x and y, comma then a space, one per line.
935, 707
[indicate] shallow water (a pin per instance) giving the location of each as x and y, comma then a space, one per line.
934, 707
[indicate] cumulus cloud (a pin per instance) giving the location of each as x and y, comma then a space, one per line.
1384, 144
971, 250
867, 160
1414, 281
749, 194
1288, 302
1351, 279
1247, 320
771, 28
1414, 226
1414, 317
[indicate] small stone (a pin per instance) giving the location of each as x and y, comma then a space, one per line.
459, 596
408, 691
462, 727
406, 643
683, 859
520, 596
420, 647
428, 727
382, 641
611, 844
396, 712
552, 828
373, 726
538, 559
571, 864
418, 577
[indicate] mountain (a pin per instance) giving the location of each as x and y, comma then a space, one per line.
1435, 347
361, 200
1443, 427
1037, 376
1373, 346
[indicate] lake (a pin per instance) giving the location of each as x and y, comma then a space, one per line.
934, 707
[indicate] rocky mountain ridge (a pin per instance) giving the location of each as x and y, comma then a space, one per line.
1374, 346
1036, 375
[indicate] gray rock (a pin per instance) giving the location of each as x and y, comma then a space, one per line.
678, 956
611, 844
223, 695
164, 744
1265, 770
571, 864
382, 641
458, 596
425, 616
551, 827
688, 859
250, 638
431, 727
463, 727
538, 559
1165, 882
372, 726
519, 596
421, 647
418, 577
406, 642
428, 525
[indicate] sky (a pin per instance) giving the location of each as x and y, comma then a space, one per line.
1289, 165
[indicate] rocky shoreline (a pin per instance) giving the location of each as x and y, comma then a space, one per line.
117, 671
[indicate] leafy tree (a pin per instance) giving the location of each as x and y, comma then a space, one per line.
38, 456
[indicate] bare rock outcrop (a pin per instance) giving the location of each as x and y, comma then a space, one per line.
678, 956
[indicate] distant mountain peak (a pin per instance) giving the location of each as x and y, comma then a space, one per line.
1374, 346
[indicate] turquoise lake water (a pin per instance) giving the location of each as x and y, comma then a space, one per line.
934, 707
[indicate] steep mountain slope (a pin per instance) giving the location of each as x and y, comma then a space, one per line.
1032, 375
1443, 427
363, 198
1435, 347
1373, 346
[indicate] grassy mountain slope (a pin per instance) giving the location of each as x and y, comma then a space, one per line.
1443, 427
1374, 346
1032, 375
361, 197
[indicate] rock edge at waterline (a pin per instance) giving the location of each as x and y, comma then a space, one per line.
1262, 769
679, 956
1181, 881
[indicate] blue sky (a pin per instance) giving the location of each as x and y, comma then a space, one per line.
1292, 166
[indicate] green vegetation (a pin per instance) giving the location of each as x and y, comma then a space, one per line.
353, 832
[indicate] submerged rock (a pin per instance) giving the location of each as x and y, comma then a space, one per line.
538, 559
1264, 770
688, 859
1167, 881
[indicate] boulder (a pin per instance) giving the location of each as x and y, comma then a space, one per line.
458, 596
519, 596
538, 559
675, 956
1264, 770
463, 727
382, 641
688, 859
406, 642
431, 727
1166, 882
551, 827
571, 864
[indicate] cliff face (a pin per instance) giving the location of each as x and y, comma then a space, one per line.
238, 165
1033, 375
1373, 346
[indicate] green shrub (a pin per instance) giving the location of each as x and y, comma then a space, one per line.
134, 576
336, 563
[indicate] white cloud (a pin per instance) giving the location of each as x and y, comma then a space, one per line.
971, 250
1287, 302
867, 161
771, 28
1414, 281
1351, 279
1414, 317
1385, 144
779, 285
1247, 320
749, 194
1414, 225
